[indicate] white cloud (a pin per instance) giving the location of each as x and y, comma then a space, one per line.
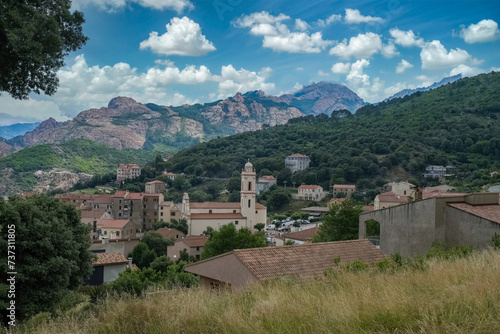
183, 37
329, 20
28, 111
112, 5
353, 16
232, 81
406, 38
483, 31
403, 66
341, 68
434, 56
299, 68
361, 46
468, 71
301, 25
278, 37
389, 50
356, 76
323, 74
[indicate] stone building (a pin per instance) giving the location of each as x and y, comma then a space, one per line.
346, 189
310, 193
297, 162
130, 171
155, 187
264, 183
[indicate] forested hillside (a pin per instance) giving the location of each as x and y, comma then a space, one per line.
456, 124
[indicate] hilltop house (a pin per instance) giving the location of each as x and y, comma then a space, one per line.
297, 162
246, 213
115, 228
130, 171
241, 267
400, 188
154, 187
451, 219
264, 183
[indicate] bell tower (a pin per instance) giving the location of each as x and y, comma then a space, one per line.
248, 194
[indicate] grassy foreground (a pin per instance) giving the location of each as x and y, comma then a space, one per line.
441, 296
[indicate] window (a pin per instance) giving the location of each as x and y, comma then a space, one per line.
156, 213
249, 203
156, 206
236, 222
119, 214
105, 232
198, 248
172, 213
117, 233
209, 211
249, 186
161, 214
234, 211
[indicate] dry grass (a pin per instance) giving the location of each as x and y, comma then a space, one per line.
460, 296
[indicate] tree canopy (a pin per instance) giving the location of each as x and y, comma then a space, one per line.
341, 222
228, 238
51, 248
35, 36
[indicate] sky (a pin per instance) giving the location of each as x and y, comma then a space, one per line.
173, 52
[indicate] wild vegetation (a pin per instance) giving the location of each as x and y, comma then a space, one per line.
452, 291
457, 124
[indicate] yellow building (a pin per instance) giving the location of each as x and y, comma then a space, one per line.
247, 213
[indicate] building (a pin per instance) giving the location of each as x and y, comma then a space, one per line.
130, 171
171, 176
264, 183
388, 199
91, 218
122, 246
107, 268
315, 210
454, 219
241, 267
247, 213
115, 228
193, 244
310, 193
346, 189
439, 171
297, 162
299, 237
129, 206
170, 233
400, 188
155, 187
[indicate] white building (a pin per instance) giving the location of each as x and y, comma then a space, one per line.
264, 183
297, 162
311, 193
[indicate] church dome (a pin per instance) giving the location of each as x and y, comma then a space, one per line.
248, 164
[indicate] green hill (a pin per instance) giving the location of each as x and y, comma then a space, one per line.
456, 124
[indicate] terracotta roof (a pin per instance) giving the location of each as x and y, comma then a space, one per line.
304, 186
195, 240
336, 200
440, 193
112, 223
267, 177
259, 206
103, 199
120, 193
349, 186
490, 212
368, 208
392, 198
315, 208
214, 205
304, 235
216, 216
169, 232
151, 195
304, 260
155, 181
74, 196
169, 174
134, 196
297, 155
109, 258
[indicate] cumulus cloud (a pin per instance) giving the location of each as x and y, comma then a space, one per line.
434, 56
278, 37
341, 68
356, 76
301, 25
22, 111
232, 81
329, 20
483, 31
183, 37
389, 50
323, 74
468, 71
403, 66
353, 16
112, 5
361, 46
406, 38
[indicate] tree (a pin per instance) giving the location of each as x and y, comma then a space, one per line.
142, 256
35, 36
259, 226
51, 248
278, 199
157, 242
341, 222
227, 239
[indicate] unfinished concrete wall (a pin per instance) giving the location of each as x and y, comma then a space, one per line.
407, 229
464, 228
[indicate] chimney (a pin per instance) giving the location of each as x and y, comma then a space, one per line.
130, 262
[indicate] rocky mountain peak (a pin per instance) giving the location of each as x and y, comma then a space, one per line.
121, 101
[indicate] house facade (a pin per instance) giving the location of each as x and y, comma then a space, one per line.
155, 187
310, 193
115, 228
346, 189
107, 268
193, 244
297, 162
264, 183
129, 171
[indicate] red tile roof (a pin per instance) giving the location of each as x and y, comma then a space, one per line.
297, 155
267, 177
195, 240
259, 206
439, 193
214, 205
392, 198
155, 181
304, 186
109, 258
112, 223
169, 174
490, 212
216, 216
304, 235
92, 214
103, 199
169, 232
348, 186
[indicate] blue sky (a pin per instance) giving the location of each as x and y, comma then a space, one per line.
173, 52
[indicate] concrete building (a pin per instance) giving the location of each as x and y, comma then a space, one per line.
264, 183
456, 219
155, 187
171, 176
346, 189
129, 206
240, 267
247, 213
297, 162
115, 228
170, 233
91, 218
130, 171
107, 267
122, 246
400, 188
389, 199
310, 193
193, 244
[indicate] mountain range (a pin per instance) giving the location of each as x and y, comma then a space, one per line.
435, 85
11, 131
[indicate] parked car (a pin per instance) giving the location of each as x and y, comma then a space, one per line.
270, 227
284, 229
305, 222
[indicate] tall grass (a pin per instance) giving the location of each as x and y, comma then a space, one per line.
444, 296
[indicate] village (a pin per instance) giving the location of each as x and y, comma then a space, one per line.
408, 221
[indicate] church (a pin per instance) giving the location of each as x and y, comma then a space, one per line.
247, 213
